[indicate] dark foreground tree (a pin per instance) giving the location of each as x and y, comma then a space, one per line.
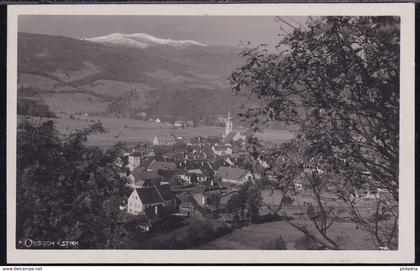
246, 203
335, 82
66, 191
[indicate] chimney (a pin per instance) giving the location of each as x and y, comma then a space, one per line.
156, 210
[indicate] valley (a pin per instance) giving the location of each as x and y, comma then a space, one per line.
133, 131
108, 77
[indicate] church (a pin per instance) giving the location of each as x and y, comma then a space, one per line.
230, 136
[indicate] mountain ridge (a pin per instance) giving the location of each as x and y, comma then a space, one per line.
141, 40
75, 75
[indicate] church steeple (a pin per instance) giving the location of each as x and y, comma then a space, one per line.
229, 125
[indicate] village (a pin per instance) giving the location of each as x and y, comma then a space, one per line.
178, 177
173, 180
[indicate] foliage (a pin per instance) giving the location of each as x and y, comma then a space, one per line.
66, 190
246, 203
335, 82
306, 243
214, 199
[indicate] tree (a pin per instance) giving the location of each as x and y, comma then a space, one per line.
246, 202
65, 189
214, 199
335, 83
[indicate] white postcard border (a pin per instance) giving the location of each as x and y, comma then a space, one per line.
404, 254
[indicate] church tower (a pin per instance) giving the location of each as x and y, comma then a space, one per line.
229, 125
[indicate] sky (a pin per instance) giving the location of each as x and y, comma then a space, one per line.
212, 30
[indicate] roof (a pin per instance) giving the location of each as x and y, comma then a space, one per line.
139, 183
196, 171
161, 150
194, 165
217, 163
230, 173
165, 138
156, 194
141, 174
229, 137
166, 192
167, 174
135, 153
197, 206
156, 165
187, 200
183, 197
222, 148
175, 156
149, 195
198, 189
186, 204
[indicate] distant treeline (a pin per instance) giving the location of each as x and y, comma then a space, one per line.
31, 107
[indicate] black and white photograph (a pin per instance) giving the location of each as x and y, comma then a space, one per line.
171, 132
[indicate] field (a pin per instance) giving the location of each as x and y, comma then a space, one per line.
114, 88
260, 236
70, 103
132, 131
37, 81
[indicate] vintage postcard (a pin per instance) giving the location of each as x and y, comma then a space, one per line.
190, 133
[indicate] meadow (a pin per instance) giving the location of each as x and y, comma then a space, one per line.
261, 236
132, 131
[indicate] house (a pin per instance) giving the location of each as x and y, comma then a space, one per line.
233, 175
175, 156
171, 176
119, 163
163, 140
199, 176
222, 150
228, 125
134, 158
161, 165
144, 178
149, 152
179, 124
142, 199
178, 137
232, 137
199, 166
160, 151
188, 206
202, 141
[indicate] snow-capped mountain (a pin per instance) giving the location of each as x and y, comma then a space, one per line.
141, 40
